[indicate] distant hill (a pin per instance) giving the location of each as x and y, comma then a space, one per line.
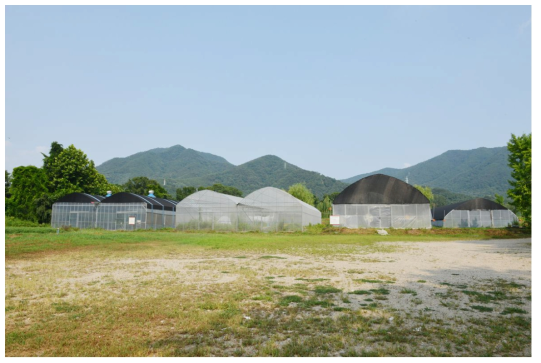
271, 171
175, 162
477, 173
186, 167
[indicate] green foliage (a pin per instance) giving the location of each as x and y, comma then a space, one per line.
478, 172
28, 184
184, 192
71, 171
427, 192
301, 192
445, 197
65, 170
141, 185
269, 171
520, 161
7, 183
325, 206
219, 188
16, 222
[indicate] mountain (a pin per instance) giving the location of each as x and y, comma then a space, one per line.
271, 171
479, 172
175, 162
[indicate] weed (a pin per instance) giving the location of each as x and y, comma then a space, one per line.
326, 290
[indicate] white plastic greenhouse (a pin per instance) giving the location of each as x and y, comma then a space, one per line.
266, 209
276, 210
209, 210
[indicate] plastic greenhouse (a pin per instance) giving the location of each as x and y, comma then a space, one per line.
477, 212
208, 210
122, 211
75, 210
381, 201
272, 209
267, 209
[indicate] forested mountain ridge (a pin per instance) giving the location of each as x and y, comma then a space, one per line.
270, 170
175, 162
479, 172
476, 173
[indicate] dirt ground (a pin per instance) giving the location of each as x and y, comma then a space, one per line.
442, 279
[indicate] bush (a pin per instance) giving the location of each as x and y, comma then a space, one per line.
16, 222
19, 230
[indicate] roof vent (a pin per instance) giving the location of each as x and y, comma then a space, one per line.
151, 194
109, 193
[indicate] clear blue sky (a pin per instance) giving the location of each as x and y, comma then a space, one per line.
338, 90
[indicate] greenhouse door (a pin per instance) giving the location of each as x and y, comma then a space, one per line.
380, 217
74, 219
126, 221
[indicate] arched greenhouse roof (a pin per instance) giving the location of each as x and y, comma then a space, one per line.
380, 189
209, 197
80, 198
472, 204
152, 202
269, 196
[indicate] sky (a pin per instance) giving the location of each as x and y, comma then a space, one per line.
337, 90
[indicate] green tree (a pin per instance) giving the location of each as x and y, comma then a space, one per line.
325, 206
219, 188
28, 184
427, 192
184, 192
520, 162
141, 185
49, 160
301, 192
7, 184
72, 171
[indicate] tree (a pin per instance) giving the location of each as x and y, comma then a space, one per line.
219, 188
48, 160
520, 162
301, 192
28, 184
325, 206
141, 185
71, 171
8, 184
184, 192
427, 192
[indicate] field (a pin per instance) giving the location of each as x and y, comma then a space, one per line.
320, 293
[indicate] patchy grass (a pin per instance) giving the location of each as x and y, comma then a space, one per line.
96, 293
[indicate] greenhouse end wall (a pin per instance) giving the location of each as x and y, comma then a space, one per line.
384, 215
479, 218
110, 216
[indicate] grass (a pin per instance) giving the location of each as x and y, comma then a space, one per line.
100, 293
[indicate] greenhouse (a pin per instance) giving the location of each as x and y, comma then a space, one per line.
128, 211
75, 210
272, 209
207, 209
477, 212
122, 211
267, 209
381, 201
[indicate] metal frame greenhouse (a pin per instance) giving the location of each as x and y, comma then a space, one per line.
266, 209
122, 211
381, 201
474, 213
272, 209
75, 210
210, 210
